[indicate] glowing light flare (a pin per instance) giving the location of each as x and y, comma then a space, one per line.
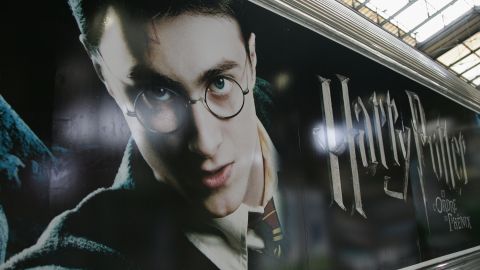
329, 140
282, 81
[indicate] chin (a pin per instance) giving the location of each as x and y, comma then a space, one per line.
218, 209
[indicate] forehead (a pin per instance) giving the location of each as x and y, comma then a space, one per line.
179, 47
194, 42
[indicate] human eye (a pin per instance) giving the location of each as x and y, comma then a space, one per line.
220, 85
159, 95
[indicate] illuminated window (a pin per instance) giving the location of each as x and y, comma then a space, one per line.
454, 55
464, 59
466, 63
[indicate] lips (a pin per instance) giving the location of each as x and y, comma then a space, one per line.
217, 178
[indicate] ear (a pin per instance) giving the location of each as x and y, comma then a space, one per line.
251, 49
94, 57
253, 57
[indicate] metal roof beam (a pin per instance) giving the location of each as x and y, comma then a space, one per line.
362, 5
428, 18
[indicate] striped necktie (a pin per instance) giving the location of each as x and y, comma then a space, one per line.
267, 226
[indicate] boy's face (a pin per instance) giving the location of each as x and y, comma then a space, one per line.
215, 163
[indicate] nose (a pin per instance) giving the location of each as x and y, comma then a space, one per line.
207, 136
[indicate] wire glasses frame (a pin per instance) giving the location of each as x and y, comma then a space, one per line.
148, 110
212, 103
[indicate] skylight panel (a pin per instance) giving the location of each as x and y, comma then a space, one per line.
476, 82
472, 74
435, 5
434, 25
456, 10
454, 55
412, 16
387, 7
466, 63
473, 42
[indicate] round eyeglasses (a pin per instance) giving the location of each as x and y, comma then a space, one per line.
163, 110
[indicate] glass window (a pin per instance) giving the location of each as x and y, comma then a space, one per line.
476, 82
387, 7
435, 5
434, 25
453, 55
466, 63
473, 42
472, 73
412, 16
456, 10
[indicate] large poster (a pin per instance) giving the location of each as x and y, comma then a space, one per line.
220, 135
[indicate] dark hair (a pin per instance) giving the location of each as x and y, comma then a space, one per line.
90, 14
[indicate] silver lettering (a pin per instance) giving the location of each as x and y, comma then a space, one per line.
419, 134
449, 155
378, 127
392, 118
360, 109
331, 142
351, 146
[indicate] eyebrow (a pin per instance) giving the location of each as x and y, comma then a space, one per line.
142, 74
216, 70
